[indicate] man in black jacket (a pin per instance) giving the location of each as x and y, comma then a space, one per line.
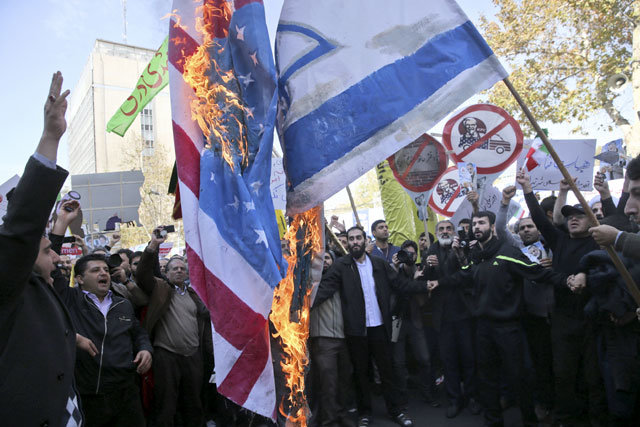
365, 284
575, 364
37, 338
107, 380
452, 319
496, 275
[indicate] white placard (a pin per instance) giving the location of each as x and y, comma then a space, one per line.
577, 156
278, 184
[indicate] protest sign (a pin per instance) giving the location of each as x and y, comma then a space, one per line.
4, 189
278, 184
577, 155
535, 252
418, 167
68, 249
468, 176
488, 201
484, 135
164, 249
448, 193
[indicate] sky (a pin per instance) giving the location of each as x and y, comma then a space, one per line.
39, 37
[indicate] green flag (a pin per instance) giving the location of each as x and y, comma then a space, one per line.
153, 79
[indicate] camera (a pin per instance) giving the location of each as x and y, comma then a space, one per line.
114, 261
165, 229
464, 237
404, 257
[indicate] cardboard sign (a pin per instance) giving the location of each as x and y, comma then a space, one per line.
484, 135
4, 189
278, 184
448, 194
418, 166
577, 156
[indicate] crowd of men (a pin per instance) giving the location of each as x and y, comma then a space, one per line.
547, 339
121, 339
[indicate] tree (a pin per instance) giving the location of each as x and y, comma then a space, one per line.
562, 52
156, 206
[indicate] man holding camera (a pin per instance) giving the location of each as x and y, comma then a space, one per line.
408, 314
452, 320
495, 275
180, 328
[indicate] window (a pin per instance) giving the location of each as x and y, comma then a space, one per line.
146, 129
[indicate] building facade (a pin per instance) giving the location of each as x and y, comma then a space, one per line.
108, 78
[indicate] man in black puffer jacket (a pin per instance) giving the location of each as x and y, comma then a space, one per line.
496, 274
106, 377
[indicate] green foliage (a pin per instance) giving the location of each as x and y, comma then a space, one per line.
561, 53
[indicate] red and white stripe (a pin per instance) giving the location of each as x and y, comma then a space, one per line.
238, 298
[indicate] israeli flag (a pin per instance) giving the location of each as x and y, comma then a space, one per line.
358, 80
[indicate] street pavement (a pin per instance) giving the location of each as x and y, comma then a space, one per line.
423, 415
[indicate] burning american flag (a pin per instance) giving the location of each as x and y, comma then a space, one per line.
223, 96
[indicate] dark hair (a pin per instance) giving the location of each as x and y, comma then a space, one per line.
83, 262
127, 252
488, 214
375, 224
342, 233
357, 227
331, 254
633, 169
408, 243
431, 238
464, 221
100, 249
136, 254
547, 203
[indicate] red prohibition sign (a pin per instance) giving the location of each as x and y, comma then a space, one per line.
444, 210
485, 140
406, 163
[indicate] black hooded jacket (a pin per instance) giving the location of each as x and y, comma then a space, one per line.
496, 274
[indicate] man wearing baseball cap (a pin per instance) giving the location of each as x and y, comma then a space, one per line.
575, 363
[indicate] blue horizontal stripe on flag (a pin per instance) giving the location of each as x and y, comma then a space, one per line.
342, 123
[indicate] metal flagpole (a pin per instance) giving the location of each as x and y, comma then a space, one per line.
633, 289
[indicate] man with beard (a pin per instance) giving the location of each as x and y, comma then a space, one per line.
538, 300
365, 284
331, 368
575, 363
626, 242
496, 274
382, 248
452, 320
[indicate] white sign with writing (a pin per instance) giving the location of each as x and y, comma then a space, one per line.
577, 156
278, 184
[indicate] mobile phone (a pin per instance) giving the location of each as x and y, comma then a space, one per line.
170, 228
68, 239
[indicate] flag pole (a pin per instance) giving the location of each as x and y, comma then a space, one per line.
353, 207
633, 289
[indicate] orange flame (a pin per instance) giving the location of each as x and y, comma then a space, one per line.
206, 110
173, 14
294, 335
